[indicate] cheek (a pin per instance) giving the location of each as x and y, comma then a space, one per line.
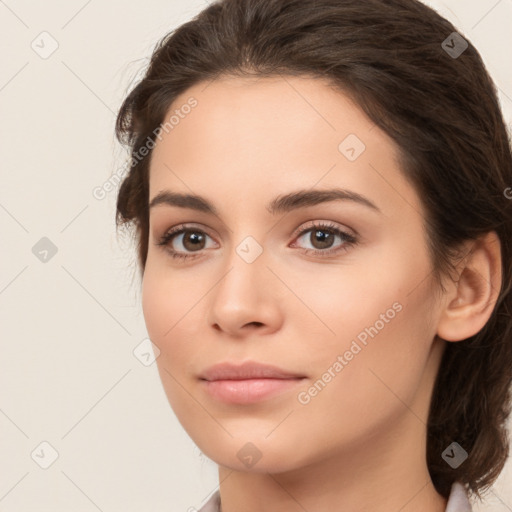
338, 305
157, 304
167, 305
173, 315
378, 318
376, 382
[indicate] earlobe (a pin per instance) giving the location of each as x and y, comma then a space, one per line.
471, 300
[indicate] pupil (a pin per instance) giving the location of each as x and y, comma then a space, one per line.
194, 239
323, 237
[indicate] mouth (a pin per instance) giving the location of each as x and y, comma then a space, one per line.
248, 391
247, 383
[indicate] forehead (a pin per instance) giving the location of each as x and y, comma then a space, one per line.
249, 138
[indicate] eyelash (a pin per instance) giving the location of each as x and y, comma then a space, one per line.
349, 240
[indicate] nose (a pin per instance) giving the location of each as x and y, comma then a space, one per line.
247, 298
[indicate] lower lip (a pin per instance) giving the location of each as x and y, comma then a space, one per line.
248, 391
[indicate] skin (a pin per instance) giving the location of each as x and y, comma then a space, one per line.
360, 443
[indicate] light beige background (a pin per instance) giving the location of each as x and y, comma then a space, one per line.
69, 325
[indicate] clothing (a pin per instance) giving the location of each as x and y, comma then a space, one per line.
458, 501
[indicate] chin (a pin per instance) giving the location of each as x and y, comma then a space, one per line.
256, 456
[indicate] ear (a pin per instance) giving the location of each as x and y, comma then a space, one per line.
471, 299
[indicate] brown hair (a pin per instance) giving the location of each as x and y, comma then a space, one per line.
392, 57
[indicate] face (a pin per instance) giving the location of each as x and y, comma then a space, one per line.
333, 289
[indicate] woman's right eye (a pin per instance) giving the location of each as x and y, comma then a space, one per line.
190, 239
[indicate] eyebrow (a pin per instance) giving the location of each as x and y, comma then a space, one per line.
281, 204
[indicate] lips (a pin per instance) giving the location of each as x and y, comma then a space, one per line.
248, 370
247, 383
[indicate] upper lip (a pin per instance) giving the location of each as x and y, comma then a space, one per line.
247, 370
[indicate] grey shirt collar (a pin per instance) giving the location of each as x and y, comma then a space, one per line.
458, 501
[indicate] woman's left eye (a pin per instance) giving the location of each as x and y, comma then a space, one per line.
322, 235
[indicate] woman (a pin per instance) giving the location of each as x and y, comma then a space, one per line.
321, 196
